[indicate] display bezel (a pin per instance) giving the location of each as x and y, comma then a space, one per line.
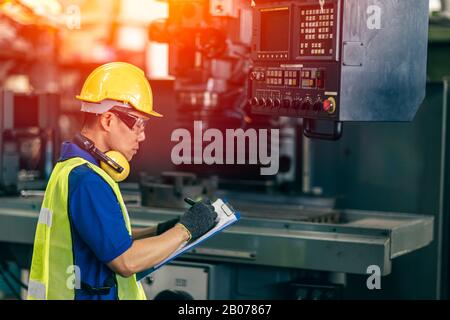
271, 55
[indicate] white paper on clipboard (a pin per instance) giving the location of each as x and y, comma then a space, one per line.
225, 216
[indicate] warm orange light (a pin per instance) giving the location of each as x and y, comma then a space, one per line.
43, 7
17, 12
158, 61
29, 11
142, 11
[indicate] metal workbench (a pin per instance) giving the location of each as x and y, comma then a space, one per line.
361, 239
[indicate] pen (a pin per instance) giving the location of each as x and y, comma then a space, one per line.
189, 201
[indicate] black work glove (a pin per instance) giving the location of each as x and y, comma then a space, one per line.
166, 225
199, 219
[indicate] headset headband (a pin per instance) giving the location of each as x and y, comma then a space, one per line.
89, 146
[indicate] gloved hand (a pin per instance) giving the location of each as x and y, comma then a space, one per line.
199, 219
166, 225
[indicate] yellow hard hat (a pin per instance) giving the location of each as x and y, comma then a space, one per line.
122, 82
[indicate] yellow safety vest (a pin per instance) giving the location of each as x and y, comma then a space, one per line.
53, 274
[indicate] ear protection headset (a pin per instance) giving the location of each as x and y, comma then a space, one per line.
113, 163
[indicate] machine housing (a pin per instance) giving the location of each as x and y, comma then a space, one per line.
350, 60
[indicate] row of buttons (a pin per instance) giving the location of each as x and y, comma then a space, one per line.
291, 74
304, 45
309, 78
317, 24
306, 83
272, 56
319, 51
305, 73
274, 73
325, 17
313, 31
306, 104
320, 18
317, 11
316, 52
325, 36
319, 36
274, 81
287, 73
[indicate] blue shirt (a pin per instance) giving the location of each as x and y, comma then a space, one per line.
99, 233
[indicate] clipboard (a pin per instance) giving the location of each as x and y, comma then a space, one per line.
226, 216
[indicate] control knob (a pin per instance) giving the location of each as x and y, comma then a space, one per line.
276, 103
254, 101
306, 104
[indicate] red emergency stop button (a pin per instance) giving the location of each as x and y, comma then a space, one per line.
329, 105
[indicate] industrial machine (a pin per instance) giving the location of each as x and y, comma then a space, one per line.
29, 140
322, 61
209, 55
339, 61
172, 188
335, 209
189, 281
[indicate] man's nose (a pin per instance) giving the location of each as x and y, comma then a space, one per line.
141, 136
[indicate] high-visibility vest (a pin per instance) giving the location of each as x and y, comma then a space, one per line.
53, 274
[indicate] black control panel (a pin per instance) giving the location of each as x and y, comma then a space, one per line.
295, 51
318, 31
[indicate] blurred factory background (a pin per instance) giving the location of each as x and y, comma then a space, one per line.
378, 196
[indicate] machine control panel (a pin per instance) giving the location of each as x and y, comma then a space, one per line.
296, 60
317, 31
294, 91
274, 94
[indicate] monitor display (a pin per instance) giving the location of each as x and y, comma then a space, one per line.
274, 30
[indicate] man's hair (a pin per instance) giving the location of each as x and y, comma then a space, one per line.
89, 119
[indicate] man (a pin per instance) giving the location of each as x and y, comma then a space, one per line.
84, 245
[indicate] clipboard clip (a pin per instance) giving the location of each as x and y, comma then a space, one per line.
228, 209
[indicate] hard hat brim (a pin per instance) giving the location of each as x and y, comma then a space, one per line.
156, 114
152, 113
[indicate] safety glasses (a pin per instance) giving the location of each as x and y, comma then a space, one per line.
132, 121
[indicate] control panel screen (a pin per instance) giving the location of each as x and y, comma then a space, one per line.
274, 29
317, 31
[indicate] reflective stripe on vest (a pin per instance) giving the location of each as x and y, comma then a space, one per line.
36, 290
53, 274
45, 217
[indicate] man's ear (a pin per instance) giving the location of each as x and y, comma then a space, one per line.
106, 120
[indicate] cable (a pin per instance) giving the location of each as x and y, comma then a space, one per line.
5, 267
17, 280
10, 286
